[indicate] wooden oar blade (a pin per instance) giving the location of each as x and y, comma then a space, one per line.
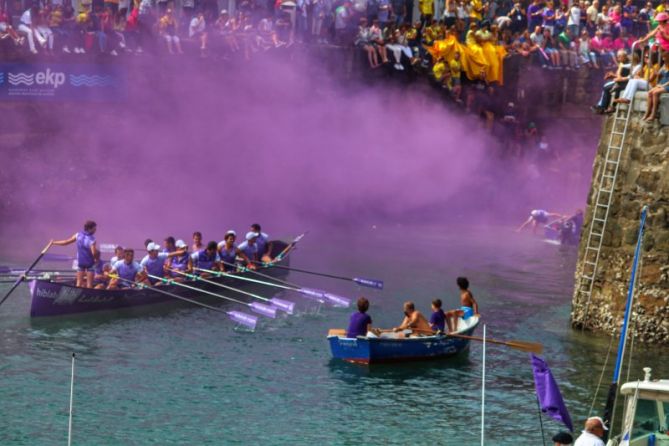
247, 320
530, 347
371, 283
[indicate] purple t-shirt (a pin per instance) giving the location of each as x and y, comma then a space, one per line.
358, 325
438, 320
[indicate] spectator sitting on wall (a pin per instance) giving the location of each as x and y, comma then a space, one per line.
167, 28
6, 29
197, 30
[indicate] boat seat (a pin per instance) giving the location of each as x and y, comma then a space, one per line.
465, 324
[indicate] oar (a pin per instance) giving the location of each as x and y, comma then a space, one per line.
259, 308
281, 304
519, 345
69, 425
288, 248
371, 283
240, 317
23, 276
318, 295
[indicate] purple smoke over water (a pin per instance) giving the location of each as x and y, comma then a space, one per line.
202, 147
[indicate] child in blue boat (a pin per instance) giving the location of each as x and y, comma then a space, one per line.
438, 319
360, 322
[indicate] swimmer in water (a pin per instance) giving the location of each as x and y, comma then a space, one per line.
538, 217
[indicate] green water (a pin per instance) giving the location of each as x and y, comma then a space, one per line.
186, 376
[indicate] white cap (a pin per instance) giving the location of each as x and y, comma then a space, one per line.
153, 247
180, 244
231, 232
250, 235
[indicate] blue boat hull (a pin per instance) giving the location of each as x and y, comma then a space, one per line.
365, 350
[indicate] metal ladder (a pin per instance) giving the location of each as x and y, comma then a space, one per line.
601, 206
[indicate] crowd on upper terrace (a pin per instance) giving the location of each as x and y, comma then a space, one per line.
554, 34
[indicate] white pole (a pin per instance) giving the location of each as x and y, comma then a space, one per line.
483, 393
69, 428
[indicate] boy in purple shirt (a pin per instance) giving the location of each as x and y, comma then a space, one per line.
438, 318
360, 322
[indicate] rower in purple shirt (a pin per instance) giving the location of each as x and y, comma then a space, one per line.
180, 262
154, 263
86, 248
249, 246
228, 252
360, 322
206, 259
127, 272
263, 243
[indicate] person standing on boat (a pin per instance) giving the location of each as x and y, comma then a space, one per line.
360, 322
538, 217
127, 271
154, 262
86, 249
468, 305
228, 252
413, 320
263, 243
438, 319
593, 433
197, 242
181, 262
206, 258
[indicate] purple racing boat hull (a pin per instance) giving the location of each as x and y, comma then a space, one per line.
61, 298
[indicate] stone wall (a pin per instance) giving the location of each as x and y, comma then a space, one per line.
643, 178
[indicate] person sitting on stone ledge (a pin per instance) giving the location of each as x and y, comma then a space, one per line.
661, 88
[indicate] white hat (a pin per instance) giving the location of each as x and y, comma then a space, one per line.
180, 244
231, 232
250, 235
600, 422
153, 247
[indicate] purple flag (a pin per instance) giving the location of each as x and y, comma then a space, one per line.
548, 393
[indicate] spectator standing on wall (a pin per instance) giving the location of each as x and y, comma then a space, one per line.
591, 16
574, 19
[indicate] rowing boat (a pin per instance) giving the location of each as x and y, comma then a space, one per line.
52, 298
390, 348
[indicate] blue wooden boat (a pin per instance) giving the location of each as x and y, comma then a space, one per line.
389, 348
53, 298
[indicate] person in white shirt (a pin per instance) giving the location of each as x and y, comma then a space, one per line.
593, 433
26, 27
574, 20
197, 29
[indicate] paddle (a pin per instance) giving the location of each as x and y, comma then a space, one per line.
259, 308
288, 248
281, 304
318, 295
240, 317
23, 276
371, 283
532, 347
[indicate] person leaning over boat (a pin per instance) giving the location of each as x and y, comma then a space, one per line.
413, 320
468, 305
228, 252
263, 243
206, 259
86, 249
154, 262
126, 272
181, 262
593, 433
360, 322
538, 217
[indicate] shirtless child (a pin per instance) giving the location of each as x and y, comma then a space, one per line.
413, 320
468, 305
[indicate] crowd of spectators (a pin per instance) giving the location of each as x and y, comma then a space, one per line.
555, 34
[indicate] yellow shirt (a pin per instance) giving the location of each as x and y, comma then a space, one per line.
456, 68
426, 7
438, 70
477, 10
